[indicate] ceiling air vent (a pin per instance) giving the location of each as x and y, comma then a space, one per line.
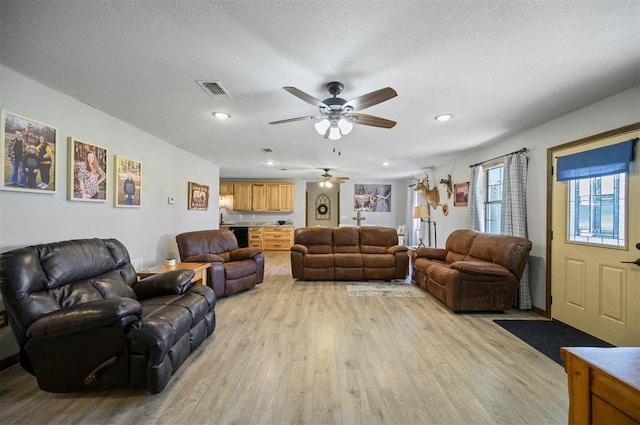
266, 150
214, 89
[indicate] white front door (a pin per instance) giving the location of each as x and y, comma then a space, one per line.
592, 289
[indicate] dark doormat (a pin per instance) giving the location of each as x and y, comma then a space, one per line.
547, 336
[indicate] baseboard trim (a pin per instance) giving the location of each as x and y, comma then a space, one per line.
9, 361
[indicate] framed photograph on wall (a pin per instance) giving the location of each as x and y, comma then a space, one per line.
128, 182
87, 172
198, 196
461, 194
28, 155
372, 197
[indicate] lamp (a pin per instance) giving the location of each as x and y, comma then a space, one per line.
421, 212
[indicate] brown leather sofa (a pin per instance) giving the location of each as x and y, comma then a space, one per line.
348, 253
475, 272
232, 269
82, 319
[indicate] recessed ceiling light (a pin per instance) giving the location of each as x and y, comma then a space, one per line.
221, 115
444, 117
269, 163
385, 163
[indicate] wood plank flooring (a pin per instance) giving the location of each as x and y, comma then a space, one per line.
292, 352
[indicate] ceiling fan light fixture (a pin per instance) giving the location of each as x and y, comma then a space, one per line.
322, 126
326, 183
345, 126
334, 133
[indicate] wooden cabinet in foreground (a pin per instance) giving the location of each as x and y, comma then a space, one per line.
226, 189
255, 237
242, 196
604, 384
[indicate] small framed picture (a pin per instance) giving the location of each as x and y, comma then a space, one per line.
28, 155
198, 196
128, 182
461, 194
87, 172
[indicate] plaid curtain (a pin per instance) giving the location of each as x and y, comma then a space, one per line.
475, 203
513, 217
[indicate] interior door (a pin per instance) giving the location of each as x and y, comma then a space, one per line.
592, 289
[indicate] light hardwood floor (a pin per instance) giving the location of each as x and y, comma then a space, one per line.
292, 352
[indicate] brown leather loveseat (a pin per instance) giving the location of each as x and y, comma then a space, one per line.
232, 269
475, 272
82, 319
348, 253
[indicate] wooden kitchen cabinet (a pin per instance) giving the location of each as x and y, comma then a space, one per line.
226, 189
277, 238
260, 196
255, 237
242, 196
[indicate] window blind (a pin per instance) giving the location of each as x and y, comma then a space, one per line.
604, 161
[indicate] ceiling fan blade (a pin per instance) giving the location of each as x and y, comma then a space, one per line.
308, 117
370, 99
372, 120
306, 97
339, 179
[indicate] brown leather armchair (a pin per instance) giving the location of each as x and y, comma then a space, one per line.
232, 269
475, 272
82, 319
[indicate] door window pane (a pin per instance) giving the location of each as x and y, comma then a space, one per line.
597, 210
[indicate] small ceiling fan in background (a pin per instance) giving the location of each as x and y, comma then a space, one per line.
327, 180
337, 115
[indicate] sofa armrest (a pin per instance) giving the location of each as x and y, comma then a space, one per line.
203, 258
483, 268
431, 253
300, 248
175, 282
397, 248
82, 317
248, 253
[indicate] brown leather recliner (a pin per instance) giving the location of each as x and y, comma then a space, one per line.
232, 269
82, 319
348, 253
475, 272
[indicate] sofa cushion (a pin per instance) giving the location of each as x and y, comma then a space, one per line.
378, 260
318, 240
348, 260
501, 249
346, 240
376, 239
318, 261
239, 269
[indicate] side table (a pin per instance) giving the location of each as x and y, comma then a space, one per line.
200, 270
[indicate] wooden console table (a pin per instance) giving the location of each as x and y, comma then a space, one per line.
604, 384
200, 270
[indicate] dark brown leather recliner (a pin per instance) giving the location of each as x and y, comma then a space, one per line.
348, 253
83, 320
475, 272
232, 269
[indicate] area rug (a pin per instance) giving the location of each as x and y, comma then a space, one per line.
547, 336
383, 289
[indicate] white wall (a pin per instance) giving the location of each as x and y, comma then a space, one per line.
148, 232
608, 114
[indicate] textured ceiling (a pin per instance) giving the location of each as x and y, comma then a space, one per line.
499, 66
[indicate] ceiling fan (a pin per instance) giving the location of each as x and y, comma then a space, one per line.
337, 115
327, 180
